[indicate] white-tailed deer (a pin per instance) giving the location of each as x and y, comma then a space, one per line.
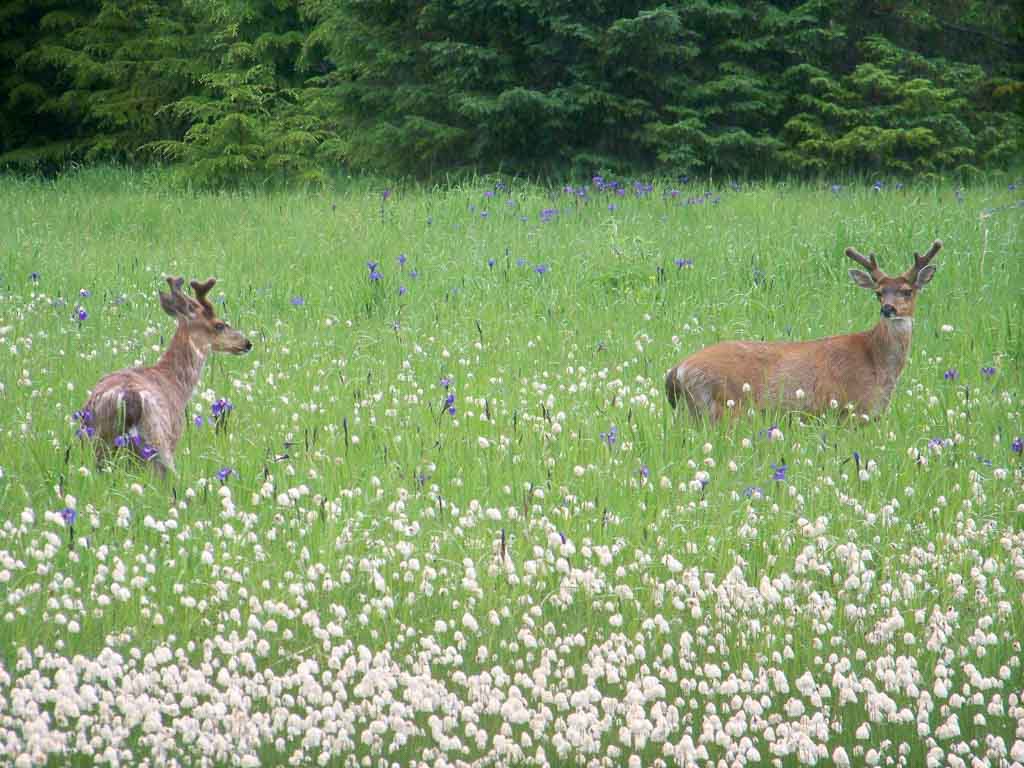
143, 409
856, 369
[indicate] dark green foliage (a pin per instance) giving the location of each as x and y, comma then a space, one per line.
242, 91
39, 112
246, 122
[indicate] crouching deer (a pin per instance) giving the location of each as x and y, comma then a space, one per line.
143, 409
856, 369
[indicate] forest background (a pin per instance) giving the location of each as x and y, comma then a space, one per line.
254, 91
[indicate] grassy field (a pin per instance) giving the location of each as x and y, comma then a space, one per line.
450, 518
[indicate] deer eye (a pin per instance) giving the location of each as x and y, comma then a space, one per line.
218, 327
906, 293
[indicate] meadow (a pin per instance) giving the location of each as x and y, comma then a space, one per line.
443, 515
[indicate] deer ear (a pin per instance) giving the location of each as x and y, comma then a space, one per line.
176, 305
924, 276
863, 279
168, 304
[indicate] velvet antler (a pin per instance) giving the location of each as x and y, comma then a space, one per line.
869, 263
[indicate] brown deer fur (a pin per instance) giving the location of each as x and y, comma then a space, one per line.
857, 369
143, 409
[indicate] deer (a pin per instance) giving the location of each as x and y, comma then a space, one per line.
142, 410
856, 371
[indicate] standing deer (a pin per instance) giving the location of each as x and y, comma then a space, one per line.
143, 409
856, 369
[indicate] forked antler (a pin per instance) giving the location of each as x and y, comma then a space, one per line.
870, 264
201, 289
176, 283
920, 262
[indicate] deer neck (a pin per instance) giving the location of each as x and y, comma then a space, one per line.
891, 345
181, 365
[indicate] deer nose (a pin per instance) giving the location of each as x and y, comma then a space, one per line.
248, 345
888, 310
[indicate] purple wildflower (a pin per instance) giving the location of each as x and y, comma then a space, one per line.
490, 263
385, 194
120, 441
645, 472
85, 293
681, 263
224, 473
610, 436
1017, 446
69, 515
34, 277
753, 491
401, 290
779, 472
951, 375
198, 421
402, 258
298, 301
988, 371
147, 452
520, 262
80, 314
541, 269
84, 418
221, 407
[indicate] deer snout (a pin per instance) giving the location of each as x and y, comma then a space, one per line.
248, 345
888, 310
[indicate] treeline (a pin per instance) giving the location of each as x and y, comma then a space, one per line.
253, 90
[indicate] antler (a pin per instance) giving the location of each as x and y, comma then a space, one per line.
176, 283
201, 289
871, 265
920, 262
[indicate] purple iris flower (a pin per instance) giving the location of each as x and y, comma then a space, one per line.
81, 314
541, 269
988, 371
147, 452
221, 407
1017, 446
951, 375
298, 301
610, 436
224, 473
779, 472
69, 515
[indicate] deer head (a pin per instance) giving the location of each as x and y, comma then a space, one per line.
198, 318
897, 295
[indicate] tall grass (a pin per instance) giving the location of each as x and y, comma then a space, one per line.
555, 570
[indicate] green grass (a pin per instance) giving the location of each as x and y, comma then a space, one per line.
578, 570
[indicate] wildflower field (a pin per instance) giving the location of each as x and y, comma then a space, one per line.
442, 514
